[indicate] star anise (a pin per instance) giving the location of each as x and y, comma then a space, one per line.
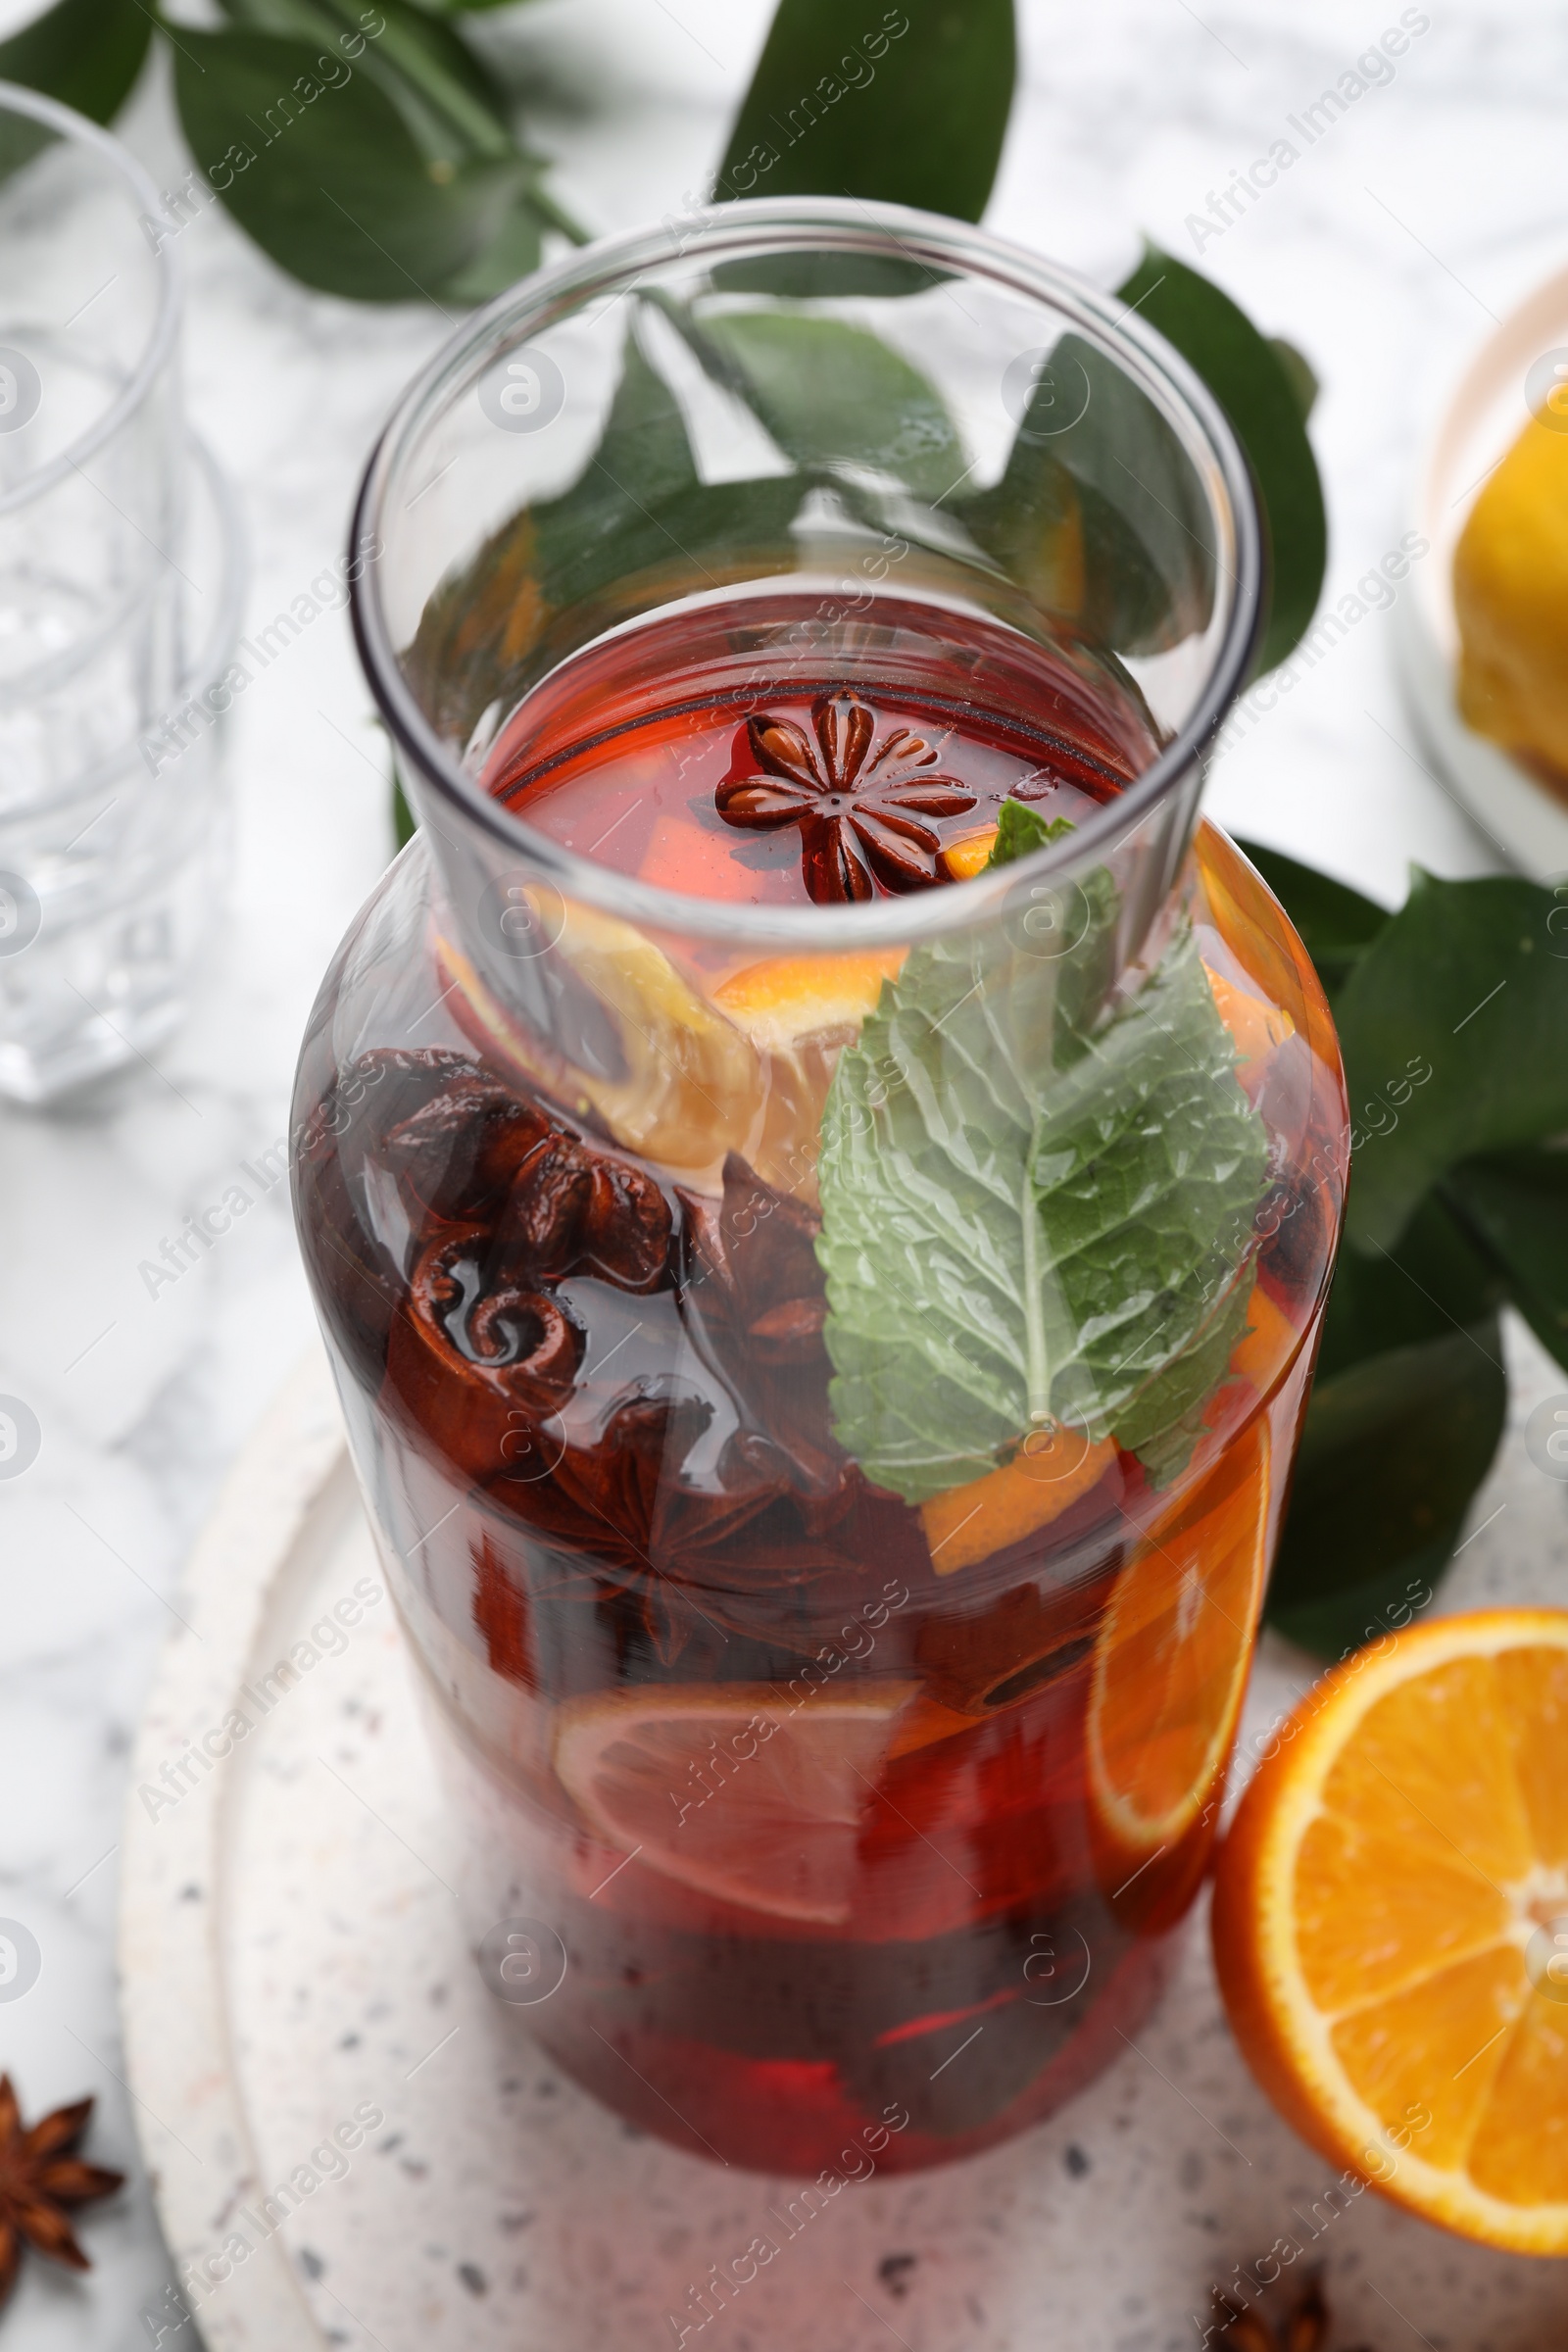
858, 810
1303, 2326
39, 2179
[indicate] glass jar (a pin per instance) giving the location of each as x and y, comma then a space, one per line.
824, 1376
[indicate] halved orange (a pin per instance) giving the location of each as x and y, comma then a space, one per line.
1391, 1922
743, 1791
1170, 1670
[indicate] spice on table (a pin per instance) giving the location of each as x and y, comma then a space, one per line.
40, 2178
1302, 2326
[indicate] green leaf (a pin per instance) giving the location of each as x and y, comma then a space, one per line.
1393, 1450
1260, 394
1435, 1281
1031, 1204
1298, 374
1460, 984
1410, 1368
404, 824
828, 391
330, 179
86, 53
1022, 830
1336, 923
1101, 519
633, 529
912, 111
1514, 1207
450, 101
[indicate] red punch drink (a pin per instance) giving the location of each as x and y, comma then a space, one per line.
826, 1408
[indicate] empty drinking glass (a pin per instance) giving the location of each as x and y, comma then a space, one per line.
118, 587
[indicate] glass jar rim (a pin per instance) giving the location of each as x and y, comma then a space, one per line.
728, 231
69, 124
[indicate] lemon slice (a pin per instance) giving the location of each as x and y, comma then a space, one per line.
737, 1789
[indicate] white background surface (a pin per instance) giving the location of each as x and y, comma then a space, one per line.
1435, 202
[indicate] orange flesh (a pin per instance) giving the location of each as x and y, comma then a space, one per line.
1158, 1732
1433, 1782
1371, 1930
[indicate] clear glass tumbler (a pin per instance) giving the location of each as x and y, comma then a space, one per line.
818, 1182
120, 576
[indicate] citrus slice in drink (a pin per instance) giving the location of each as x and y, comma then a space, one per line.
787, 1000
962, 860
1391, 1922
742, 1792
1171, 1666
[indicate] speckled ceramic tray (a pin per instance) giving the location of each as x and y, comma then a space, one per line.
303, 2014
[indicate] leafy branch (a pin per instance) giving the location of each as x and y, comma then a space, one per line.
371, 149
1458, 1206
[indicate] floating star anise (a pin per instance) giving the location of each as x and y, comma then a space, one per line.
39, 2179
859, 809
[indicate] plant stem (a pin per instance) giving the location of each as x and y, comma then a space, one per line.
554, 216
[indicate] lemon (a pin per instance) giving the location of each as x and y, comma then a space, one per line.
1510, 596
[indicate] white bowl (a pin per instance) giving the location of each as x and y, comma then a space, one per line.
1483, 418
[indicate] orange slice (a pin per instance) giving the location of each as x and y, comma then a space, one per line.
1172, 1661
742, 1792
1269, 1342
1052, 1469
781, 1003
962, 860
1391, 1922
1257, 1027
689, 1086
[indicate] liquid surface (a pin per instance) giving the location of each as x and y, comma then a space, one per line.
730, 773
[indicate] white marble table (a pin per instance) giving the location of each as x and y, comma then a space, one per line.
1435, 202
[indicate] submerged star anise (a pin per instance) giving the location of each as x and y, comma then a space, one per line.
859, 809
39, 2179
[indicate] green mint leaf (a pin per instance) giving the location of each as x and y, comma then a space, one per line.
1036, 1200
1022, 830
1164, 1421
1261, 394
